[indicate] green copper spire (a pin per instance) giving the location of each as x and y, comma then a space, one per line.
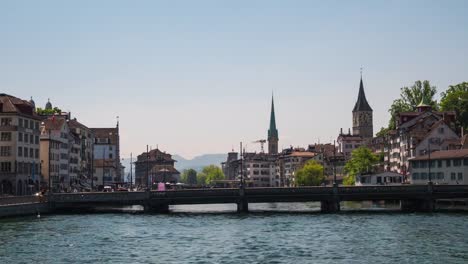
272, 132
425, 102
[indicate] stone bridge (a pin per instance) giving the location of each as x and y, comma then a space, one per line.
411, 197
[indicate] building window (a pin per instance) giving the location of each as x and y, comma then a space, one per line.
441, 130
20, 137
6, 136
5, 151
25, 152
448, 163
415, 176
37, 140
457, 162
37, 154
6, 121
465, 162
453, 176
439, 164
26, 138
440, 175
20, 151
423, 176
20, 122
460, 176
31, 139
31, 153
5, 166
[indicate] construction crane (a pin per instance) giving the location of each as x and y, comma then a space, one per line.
262, 142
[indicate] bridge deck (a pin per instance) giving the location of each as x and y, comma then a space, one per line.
262, 195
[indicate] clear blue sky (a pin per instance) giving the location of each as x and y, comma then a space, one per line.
196, 76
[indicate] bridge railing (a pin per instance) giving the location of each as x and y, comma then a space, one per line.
292, 191
383, 189
195, 193
19, 200
98, 197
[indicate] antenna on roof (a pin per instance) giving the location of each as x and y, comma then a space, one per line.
361, 71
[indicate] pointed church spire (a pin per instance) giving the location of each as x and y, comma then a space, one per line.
361, 103
272, 132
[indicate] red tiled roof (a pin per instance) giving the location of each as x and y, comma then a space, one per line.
305, 154
53, 123
445, 154
11, 104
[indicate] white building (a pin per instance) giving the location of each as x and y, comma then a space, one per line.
260, 169
416, 133
446, 167
384, 178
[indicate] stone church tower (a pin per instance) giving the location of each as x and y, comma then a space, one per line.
272, 132
362, 116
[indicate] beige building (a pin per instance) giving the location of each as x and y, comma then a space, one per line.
55, 163
446, 167
19, 146
290, 161
105, 172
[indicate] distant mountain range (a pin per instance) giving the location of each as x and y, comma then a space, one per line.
198, 162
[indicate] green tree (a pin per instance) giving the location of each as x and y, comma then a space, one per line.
311, 174
362, 162
189, 176
456, 99
410, 98
41, 111
209, 174
383, 132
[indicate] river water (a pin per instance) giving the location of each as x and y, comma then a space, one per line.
216, 234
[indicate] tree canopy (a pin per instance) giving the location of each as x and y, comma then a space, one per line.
362, 162
189, 176
311, 174
456, 99
209, 174
42, 111
410, 97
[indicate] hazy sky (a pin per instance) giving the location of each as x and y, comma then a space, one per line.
196, 77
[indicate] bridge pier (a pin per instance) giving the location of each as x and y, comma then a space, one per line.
243, 206
423, 205
330, 206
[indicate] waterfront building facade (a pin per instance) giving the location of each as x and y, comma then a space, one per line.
416, 134
84, 136
19, 146
54, 152
107, 147
155, 166
442, 167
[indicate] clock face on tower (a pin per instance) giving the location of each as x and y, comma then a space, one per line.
365, 119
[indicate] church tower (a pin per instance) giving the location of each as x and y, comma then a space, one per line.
272, 132
362, 116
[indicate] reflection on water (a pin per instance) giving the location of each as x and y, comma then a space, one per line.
213, 234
